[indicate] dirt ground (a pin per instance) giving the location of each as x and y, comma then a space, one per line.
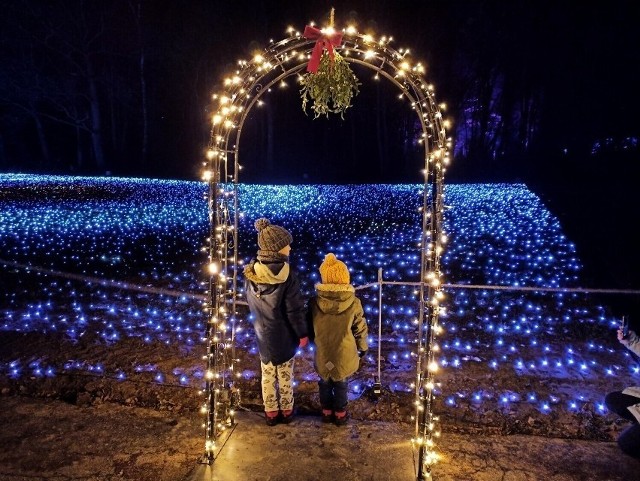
95, 425
53, 440
84, 388
85, 368
85, 422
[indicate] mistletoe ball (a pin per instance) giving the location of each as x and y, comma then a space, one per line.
331, 88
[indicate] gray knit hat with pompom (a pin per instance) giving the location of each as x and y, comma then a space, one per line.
272, 237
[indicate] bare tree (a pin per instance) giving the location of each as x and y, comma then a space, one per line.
137, 15
64, 71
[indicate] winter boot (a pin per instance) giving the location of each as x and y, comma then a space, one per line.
271, 417
327, 416
287, 416
341, 418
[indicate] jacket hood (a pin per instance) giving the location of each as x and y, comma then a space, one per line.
335, 298
260, 273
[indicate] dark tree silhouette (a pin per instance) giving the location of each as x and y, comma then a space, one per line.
125, 86
66, 73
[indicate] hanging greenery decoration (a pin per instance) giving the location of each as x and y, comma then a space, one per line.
329, 83
331, 88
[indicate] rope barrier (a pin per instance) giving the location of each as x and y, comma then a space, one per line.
525, 288
202, 297
379, 284
104, 282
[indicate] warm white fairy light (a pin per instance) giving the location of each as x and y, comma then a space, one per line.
540, 261
227, 117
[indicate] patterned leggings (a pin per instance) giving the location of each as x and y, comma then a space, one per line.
277, 386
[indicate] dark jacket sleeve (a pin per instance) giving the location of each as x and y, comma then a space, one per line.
294, 306
309, 320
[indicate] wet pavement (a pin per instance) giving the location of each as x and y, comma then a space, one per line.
309, 450
55, 441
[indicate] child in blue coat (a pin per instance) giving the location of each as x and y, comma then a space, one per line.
277, 306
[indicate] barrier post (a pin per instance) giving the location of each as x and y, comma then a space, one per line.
377, 385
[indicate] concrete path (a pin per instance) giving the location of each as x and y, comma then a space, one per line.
55, 441
371, 451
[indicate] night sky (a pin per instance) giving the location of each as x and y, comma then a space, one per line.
576, 65
541, 92
572, 70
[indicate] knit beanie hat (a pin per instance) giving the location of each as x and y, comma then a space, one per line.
272, 237
333, 271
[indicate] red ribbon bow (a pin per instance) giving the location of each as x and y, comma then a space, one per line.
322, 41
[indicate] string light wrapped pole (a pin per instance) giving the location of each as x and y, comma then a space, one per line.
246, 88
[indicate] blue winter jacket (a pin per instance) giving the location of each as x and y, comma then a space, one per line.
274, 298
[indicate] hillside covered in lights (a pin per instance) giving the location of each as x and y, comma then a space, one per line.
119, 259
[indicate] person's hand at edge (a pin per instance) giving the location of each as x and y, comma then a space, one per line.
623, 340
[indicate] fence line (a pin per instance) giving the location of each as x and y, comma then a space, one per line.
524, 288
202, 297
104, 282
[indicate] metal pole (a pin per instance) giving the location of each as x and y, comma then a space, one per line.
377, 385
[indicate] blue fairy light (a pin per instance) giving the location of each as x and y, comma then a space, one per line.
124, 230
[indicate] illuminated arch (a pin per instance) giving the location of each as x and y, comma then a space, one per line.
241, 92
